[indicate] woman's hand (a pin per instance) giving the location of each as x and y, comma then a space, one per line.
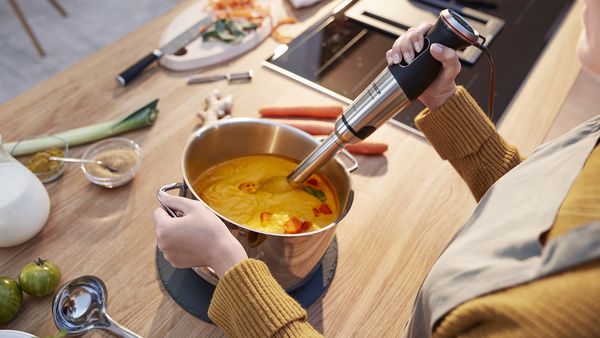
444, 86
198, 238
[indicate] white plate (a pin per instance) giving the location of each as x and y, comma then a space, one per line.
15, 334
202, 54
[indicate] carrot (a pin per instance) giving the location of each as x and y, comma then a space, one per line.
325, 112
311, 127
367, 148
320, 128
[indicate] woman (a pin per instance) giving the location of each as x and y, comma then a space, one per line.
527, 263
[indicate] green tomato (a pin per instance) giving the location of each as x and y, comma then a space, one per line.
40, 278
11, 298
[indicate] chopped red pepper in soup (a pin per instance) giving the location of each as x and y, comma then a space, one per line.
293, 226
265, 216
312, 181
324, 208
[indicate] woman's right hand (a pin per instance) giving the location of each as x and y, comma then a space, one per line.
198, 238
443, 87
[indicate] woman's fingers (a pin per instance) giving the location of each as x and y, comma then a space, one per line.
182, 204
396, 52
161, 217
388, 57
410, 43
449, 59
418, 37
406, 46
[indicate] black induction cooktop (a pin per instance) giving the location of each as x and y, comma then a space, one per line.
341, 54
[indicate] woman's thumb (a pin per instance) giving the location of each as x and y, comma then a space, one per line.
449, 59
178, 203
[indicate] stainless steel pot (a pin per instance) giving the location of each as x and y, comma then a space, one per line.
291, 258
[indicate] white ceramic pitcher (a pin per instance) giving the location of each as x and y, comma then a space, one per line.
24, 202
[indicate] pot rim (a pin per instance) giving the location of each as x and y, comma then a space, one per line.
301, 133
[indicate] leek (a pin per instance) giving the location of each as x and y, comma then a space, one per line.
143, 117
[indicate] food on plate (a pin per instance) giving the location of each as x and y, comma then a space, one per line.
40, 278
11, 298
279, 37
235, 19
235, 189
123, 159
232, 31
40, 162
320, 112
238, 18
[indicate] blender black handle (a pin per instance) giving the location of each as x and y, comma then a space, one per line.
415, 77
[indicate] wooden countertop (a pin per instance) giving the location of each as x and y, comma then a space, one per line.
408, 204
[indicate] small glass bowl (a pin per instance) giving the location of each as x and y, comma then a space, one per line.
53, 174
111, 144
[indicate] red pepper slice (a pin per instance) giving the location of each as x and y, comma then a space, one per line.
265, 216
312, 181
324, 208
315, 212
306, 225
293, 226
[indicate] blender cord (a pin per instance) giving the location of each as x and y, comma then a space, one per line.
492, 79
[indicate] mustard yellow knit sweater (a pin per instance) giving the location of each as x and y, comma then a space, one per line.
248, 302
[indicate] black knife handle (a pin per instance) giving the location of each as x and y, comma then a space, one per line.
132, 72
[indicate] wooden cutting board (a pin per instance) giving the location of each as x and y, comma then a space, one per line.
201, 53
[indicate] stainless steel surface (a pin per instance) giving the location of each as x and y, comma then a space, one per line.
318, 158
184, 38
81, 160
378, 103
79, 306
306, 82
230, 77
291, 258
397, 17
354, 166
458, 27
165, 188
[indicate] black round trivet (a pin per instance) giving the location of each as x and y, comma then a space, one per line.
193, 293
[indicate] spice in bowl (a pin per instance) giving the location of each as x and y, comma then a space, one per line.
121, 159
40, 162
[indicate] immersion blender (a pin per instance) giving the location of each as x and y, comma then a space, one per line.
391, 92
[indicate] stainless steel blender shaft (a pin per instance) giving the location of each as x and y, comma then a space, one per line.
374, 106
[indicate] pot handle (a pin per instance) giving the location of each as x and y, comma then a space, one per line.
354, 162
165, 188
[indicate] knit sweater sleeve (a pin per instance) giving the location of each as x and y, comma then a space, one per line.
248, 302
462, 134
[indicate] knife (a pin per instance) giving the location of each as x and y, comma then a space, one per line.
170, 47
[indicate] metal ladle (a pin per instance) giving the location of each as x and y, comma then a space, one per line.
80, 306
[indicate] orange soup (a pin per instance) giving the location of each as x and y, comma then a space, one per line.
243, 190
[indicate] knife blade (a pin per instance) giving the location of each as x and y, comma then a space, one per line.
182, 40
